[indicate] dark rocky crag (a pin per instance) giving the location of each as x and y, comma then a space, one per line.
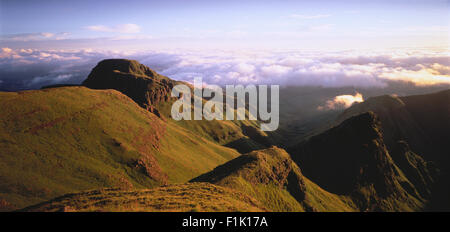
420, 120
352, 159
137, 81
422, 123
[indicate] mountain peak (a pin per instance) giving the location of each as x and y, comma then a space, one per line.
145, 86
367, 125
127, 67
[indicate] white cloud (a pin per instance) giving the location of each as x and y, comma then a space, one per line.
31, 68
50, 79
341, 102
6, 50
424, 76
121, 28
328, 69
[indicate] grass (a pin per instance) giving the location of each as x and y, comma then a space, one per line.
192, 197
276, 181
222, 132
62, 140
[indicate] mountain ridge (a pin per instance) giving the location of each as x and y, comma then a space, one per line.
352, 159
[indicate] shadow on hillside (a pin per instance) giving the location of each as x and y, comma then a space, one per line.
244, 145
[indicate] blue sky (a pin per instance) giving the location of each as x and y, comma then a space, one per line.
321, 43
130, 24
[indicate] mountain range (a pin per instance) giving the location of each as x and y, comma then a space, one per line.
111, 145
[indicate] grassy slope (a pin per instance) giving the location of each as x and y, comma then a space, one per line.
276, 181
61, 140
229, 133
174, 198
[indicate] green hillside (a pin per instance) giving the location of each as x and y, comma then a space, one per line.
60, 140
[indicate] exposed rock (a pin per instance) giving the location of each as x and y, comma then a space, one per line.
271, 166
137, 81
352, 159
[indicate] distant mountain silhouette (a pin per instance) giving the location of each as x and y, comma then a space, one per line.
421, 123
421, 120
352, 159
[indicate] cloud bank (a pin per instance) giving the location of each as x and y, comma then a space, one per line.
31, 68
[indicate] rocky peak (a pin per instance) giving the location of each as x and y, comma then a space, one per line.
145, 86
352, 159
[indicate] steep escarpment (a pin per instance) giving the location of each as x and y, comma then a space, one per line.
420, 173
352, 159
422, 123
420, 120
432, 114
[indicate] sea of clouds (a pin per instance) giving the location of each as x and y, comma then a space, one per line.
31, 69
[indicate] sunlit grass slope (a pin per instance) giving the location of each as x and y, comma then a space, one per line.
276, 181
62, 140
193, 197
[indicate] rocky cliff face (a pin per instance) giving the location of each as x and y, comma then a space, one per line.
417, 127
352, 159
137, 81
420, 120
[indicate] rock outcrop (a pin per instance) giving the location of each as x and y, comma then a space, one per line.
146, 87
352, 159
268, 167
